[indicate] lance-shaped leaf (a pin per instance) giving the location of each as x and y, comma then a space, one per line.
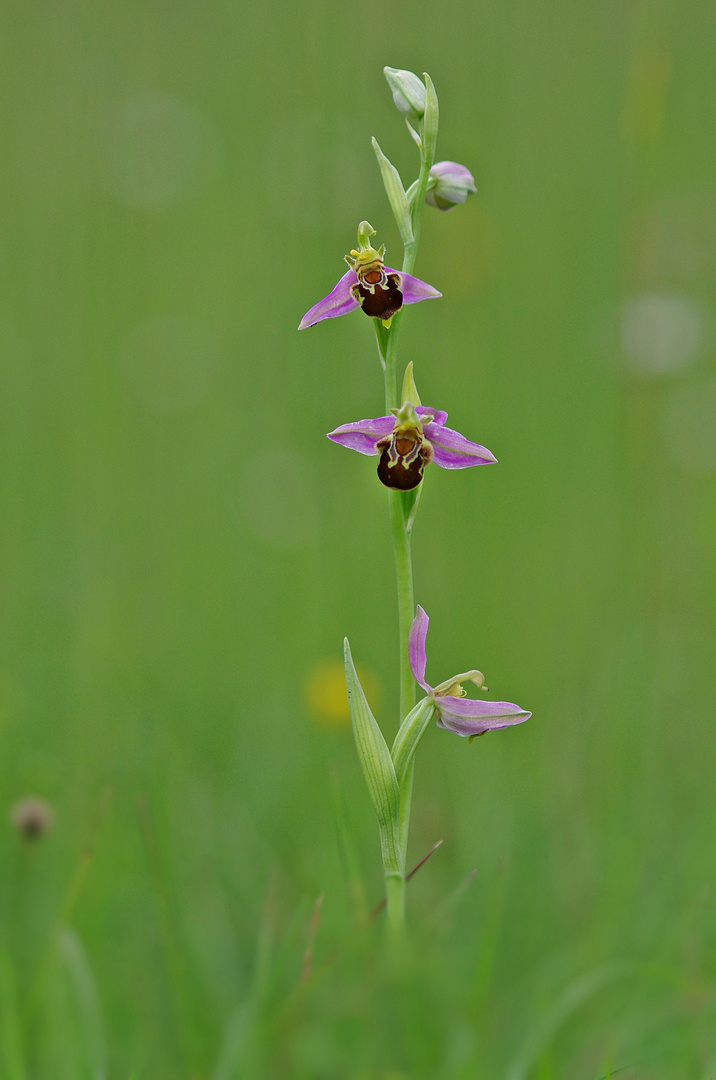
430, 120
377, 765
396, 195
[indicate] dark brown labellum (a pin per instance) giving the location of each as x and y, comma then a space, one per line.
383, 301
402, 471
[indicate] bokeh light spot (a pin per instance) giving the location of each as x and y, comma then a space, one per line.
662, 333
326, 697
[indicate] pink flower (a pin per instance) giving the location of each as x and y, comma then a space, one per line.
370, 285
409, 439
457, 713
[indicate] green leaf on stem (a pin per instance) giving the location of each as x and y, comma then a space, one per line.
396, 194
430, 121
377, 765
409, 504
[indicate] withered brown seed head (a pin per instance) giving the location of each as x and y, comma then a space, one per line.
32, 817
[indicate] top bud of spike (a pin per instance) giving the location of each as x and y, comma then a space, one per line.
408, 92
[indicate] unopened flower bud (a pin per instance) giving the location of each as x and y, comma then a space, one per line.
32, 817
449, 185
408, 92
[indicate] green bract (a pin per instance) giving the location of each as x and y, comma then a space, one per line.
396, 195
377, 766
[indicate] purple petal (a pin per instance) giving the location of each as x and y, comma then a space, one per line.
362, 435
465, 716
416, 648
454, 451
412, 288
338, 302
451, 170
439, 417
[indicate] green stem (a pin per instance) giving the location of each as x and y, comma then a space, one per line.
395, 899
401, 527
406, 599
411, 250
406, 799
395, 884
388, 339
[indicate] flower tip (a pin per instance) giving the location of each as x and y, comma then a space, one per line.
410, 390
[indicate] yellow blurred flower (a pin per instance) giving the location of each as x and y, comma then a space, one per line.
326, 697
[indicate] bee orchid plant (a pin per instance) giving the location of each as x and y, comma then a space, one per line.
408, 438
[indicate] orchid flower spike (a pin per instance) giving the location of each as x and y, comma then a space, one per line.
409, 439
370, 285
456, 712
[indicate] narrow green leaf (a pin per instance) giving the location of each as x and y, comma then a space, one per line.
396, 195
430, 121
377, 765
80, 973
11, 1055
409, 501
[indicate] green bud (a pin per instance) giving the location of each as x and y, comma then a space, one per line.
396, 195
408, 92
449, 185
377, 766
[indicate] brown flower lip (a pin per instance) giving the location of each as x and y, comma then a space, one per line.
377, 299
402, 460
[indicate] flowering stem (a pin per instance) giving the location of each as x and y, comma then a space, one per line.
388, 339
395, 885
406, 599
402, 505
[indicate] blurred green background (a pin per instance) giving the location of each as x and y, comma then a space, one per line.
183, 551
